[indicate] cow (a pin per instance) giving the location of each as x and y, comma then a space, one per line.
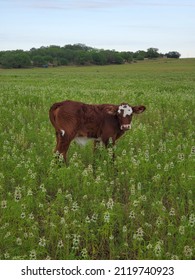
81, 122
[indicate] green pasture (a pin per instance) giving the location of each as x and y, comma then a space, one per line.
139, 207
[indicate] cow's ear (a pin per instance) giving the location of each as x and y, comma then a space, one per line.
138, 109
111, 110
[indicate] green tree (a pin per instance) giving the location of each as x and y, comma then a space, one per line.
173, 54
152, 53
15, 59
39, 60
139, 55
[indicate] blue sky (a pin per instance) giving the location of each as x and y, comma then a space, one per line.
128, 25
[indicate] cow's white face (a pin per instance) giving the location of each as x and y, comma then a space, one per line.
126, 109
125, 113
125, 116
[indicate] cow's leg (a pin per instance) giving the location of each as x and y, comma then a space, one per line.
63, 145
109, 142
57, 141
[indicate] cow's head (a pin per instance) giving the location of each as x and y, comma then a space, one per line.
124, 113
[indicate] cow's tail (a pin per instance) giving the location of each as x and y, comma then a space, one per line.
52, 113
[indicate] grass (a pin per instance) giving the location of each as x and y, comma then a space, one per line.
142, 207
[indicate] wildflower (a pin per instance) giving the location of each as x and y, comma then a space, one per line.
84, 253
66, 209
172, 212
3, 204
76, 241
42, 242
182, 230
132, 215
43, 189
192, 220
143, 198
166, 168
190, 202
98, 179
183, 218
19, 241
139, 186
23, 215
33, 255
90, 168
60, 244
94, 218
139, 234
7, 234
107, 217
110, 203
31, 234
149, 246
174, 257
85, 173
135, 203
32, 176
159, 221
87, 220
133, 190
29, 193
6, 255
159, 166
31, 216
181, 157
124, 229
62, 221
158, 249
110, 152
75, 206
187, 251
111, 237
103, 203
17, 194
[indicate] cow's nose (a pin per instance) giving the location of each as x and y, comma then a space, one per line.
125, 126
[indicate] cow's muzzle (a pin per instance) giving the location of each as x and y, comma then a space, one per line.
125, 126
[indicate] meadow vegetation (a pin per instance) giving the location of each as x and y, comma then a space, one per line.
140, 207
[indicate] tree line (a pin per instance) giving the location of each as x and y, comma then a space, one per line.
77, 54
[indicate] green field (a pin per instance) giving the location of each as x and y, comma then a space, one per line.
140, 207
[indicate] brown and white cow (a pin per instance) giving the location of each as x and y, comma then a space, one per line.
80, 122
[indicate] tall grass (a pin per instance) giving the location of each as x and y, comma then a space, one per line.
140, 207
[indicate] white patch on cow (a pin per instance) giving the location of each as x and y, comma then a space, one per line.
82, 141
126, 126
127, 110
62, 132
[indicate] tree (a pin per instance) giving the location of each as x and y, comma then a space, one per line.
15, 59
139, 55
39, 60
98, 58
173, 54
152, 53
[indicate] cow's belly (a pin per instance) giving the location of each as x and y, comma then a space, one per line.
82, 140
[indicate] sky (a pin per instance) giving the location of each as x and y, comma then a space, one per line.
123, 25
